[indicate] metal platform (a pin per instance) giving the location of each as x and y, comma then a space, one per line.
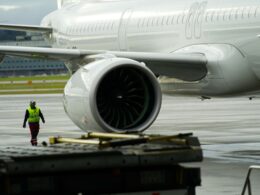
91, 169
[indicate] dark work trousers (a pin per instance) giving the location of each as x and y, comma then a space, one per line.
34, 128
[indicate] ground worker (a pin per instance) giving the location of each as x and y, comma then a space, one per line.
33, 114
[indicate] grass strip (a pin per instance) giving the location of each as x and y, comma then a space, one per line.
32, 78
18, 86
29, 87
31, 92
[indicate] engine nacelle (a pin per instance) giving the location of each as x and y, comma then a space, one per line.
113, 95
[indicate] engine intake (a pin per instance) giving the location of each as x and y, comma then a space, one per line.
125, 98
122, 96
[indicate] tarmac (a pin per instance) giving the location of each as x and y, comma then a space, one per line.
228, 128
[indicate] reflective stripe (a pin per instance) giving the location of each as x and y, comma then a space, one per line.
34, 115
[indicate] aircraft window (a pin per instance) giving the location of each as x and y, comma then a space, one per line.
173, 20
225, 15
86, 29
179, 19
207, 17
168, 21
76, 30
164, 20
80, 29
184, 17
252, 11
98, 27
245, 13
107, 25
112, 25
212, 16
145, 22
239, 13
104, 26
232, 14
148, 22
215, 16
93, 26
138, 22
158, 21
142, 22
153, 21
221, 15
90, 27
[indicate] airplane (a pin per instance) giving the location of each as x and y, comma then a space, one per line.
123, 54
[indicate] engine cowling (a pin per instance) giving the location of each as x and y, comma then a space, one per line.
113, 95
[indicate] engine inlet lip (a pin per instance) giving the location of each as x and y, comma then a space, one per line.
156, 90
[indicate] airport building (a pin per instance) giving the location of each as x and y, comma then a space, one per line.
16, 66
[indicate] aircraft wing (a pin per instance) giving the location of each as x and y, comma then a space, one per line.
186, 66
23, 28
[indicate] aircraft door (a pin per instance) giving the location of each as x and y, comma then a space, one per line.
190, 20
193, 27
122, 30
199, 20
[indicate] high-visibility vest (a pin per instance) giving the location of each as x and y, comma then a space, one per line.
34, 115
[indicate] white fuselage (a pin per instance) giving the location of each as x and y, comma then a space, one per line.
168, 26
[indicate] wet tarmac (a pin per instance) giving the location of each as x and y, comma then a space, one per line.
229, 130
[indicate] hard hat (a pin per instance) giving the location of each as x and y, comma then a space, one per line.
32, 102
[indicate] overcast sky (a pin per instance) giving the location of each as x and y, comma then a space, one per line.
25, 11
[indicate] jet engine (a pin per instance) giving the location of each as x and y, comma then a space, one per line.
113, 95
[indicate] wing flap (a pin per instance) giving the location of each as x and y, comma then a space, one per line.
184, 66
